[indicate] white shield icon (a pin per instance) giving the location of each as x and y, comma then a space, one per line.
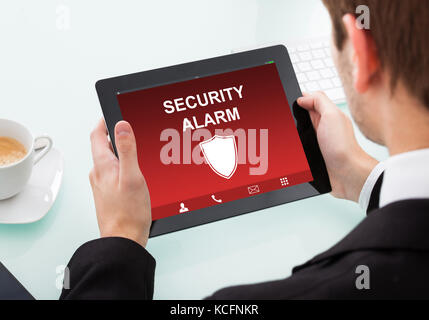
220, 153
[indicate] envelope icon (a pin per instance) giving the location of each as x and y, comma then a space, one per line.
253, 189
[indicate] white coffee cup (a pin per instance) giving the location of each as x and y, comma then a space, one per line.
14, 177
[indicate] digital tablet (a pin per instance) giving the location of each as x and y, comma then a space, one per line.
10, 288
217, 138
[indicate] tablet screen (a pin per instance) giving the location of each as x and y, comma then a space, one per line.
215, 139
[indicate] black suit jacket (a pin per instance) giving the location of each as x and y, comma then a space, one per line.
393, 242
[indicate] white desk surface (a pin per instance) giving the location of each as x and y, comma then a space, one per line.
47, 79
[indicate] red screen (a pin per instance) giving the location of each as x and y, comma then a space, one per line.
250, 142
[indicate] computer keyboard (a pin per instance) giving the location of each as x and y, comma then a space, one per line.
314, 68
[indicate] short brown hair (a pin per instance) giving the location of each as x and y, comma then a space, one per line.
400, 30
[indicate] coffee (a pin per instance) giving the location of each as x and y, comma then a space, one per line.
11, 150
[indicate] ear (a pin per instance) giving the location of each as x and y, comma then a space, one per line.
364, 54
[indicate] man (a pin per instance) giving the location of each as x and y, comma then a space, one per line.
385, 72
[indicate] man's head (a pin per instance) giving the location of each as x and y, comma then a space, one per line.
388, 62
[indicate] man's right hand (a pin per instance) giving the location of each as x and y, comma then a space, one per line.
347, 163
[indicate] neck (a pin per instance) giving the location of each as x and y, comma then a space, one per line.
407, 125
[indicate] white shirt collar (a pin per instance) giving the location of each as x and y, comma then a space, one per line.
406, 177
365, 194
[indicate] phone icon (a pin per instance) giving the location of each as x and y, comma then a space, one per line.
217, 200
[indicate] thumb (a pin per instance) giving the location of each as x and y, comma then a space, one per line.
127, 150
317, 101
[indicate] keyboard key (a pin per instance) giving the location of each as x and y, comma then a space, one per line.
312, 86
303, 47
304, 66
301, 77
317, 64
313, 75
334, 71
291, 49
305, 56
329, 62
294, 58
318, 54
337, 82
328, 52
335, 94
316, 45
326, 84
326, 73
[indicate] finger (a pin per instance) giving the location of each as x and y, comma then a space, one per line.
127, 151
306, 102
317, 101
91, 177
100, 146
314, 117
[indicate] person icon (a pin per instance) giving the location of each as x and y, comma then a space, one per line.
183, 208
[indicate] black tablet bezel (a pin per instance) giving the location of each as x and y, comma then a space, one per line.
10, 287
107, 90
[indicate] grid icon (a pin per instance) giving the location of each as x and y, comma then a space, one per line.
284, 181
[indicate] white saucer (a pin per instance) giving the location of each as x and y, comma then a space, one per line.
34, 202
